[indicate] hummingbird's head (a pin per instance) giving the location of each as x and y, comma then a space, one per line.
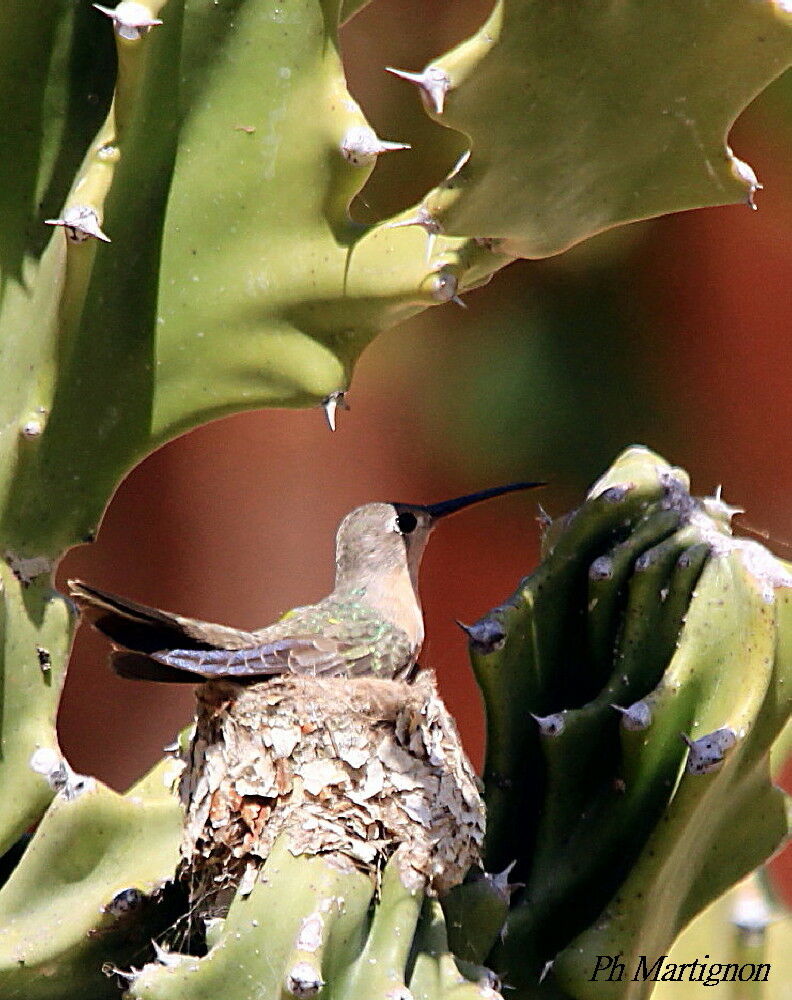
378, 539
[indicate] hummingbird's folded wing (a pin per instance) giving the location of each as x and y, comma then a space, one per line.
160, 646
314, 656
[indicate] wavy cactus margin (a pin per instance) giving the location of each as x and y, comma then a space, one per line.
195, 293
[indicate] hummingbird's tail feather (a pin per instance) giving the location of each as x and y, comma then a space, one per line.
141, 631
139, 667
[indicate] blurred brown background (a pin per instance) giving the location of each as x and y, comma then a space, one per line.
673, 333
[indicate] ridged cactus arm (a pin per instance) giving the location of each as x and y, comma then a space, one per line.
608, 575
383, 962
658, 787
99, 331
475, 914
529, 654
724, 816
306, 919
434, 973
82, 893
588, 126
593, 816
211, 310
275, 327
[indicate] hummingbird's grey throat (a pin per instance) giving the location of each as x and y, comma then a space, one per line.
370, 625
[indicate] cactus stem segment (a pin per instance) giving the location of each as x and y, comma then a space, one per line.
331, 404
434, 83
361, 146
130, 20
81, 223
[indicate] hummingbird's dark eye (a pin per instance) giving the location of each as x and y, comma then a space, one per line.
406, 522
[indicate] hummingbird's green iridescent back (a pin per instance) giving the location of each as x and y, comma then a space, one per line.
368, 643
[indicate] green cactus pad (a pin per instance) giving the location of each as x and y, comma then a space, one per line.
584, 116
77, 898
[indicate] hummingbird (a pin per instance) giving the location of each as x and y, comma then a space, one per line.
371, 624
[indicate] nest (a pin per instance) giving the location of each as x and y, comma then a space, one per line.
354, 769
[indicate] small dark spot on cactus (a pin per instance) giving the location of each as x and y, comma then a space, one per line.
361, 146
487, 635
444, 286
44, 659
500, 881
80, 223
676, 495
88, 538
433, 82
303, 980
635, 717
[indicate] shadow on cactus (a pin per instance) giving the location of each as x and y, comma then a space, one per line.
635, 684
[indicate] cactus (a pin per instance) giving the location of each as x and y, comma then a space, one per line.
621, 831
741, 932
141, 294
646, 622
83, 894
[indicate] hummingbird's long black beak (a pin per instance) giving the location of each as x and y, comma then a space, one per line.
446, 507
